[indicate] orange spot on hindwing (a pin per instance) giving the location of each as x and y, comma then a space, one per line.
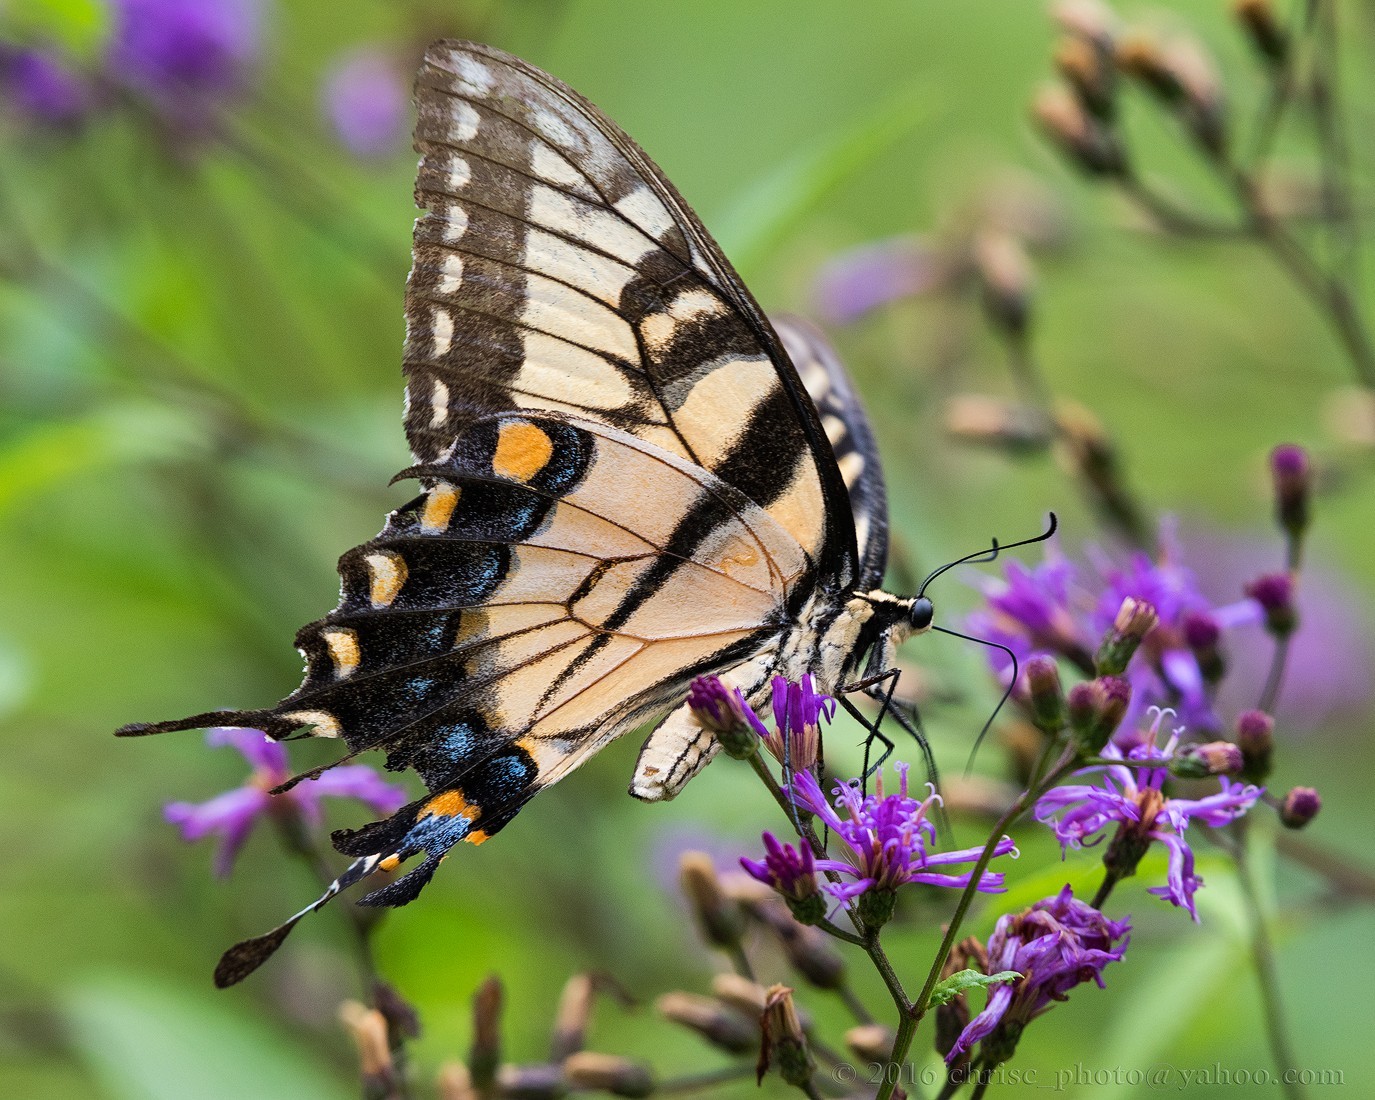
439, 508
450, 804
523, 450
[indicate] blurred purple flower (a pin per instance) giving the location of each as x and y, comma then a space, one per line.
888, 838
185, 56
233, 814
875, 274
366, 97
42, 86
1131, 798
1055, 945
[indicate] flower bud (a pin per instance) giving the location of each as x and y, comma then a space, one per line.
1293, 480
1139, 55
1091, 19
455, 1083
808, 950
1300, 806
784, 1041
1005, 275
1263, 28
1135, 619
608, 1073
870, 1042
997, 422
1255, 737
536, 1082
717, 916
743, 995
1047, 698
1086, 65
574, 1013
1212, 758
1275, 594
485, 1054
1086, 141
367, 1027
721, 710
719, 1025
1202, 635
1096, 708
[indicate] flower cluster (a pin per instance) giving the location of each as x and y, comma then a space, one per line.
1057, 944
1131, 797
232, 815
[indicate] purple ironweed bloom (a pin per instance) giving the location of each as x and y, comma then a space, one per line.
1132, 799
889, 838
792, 872
798, 709
43, 87
874, 275
1057, 944
185, 56
233, 814
366, 98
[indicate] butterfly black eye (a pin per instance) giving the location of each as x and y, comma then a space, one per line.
921, 614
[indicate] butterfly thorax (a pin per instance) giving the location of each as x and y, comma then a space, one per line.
839, 636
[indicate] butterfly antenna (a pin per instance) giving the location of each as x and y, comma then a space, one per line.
1007, 692
994, 549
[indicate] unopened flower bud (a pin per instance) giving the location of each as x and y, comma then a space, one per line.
535, 1082
721, 710
1293, 479
1047, 698
808, 950
1005, 275
1135, 619
784, 1042
720, 1025
1086, 65
1091, 19
454, 1083
870, 1042
608, 1073
1205, 109
1275, 594
1255, 737
743, 995
1263, 28
1139, 55
1202, 635
1087, 142
997, 422
1300, 806
717, 916
485, 1054
1096, 708
1212, 758
368, 1029
571, 1019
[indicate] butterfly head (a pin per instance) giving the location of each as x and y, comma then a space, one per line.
920, 614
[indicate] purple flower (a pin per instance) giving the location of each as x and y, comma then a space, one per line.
233, 814
876, 274
1032, 611
1055, 945
1132, 799
42, 86
889, 838
185, 56
791, 871
366, 98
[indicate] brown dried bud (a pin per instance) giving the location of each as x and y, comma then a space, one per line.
717, 916
455, 1083
808, 949
1004, 271
719, 1024
368, 1029
608, 1073
1140, 56
783, 1039
1087, 142
537, 1082
870, 1042
571, 1019
1086, 64
743, 995
997, 422
1263, 28
485, 1054
1091, 19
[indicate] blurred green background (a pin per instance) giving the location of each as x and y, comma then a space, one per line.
200, 410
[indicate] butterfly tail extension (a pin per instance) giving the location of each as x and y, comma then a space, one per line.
254, 719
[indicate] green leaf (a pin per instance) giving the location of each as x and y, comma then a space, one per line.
964, 980
773, 206
154, 1042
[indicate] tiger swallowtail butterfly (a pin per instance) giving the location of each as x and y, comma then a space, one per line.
630, 477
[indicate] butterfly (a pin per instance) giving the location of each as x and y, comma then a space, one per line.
630, 477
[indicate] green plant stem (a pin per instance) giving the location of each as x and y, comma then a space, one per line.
1267, 973
700, 1082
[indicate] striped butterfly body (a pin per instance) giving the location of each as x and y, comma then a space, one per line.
630, 477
